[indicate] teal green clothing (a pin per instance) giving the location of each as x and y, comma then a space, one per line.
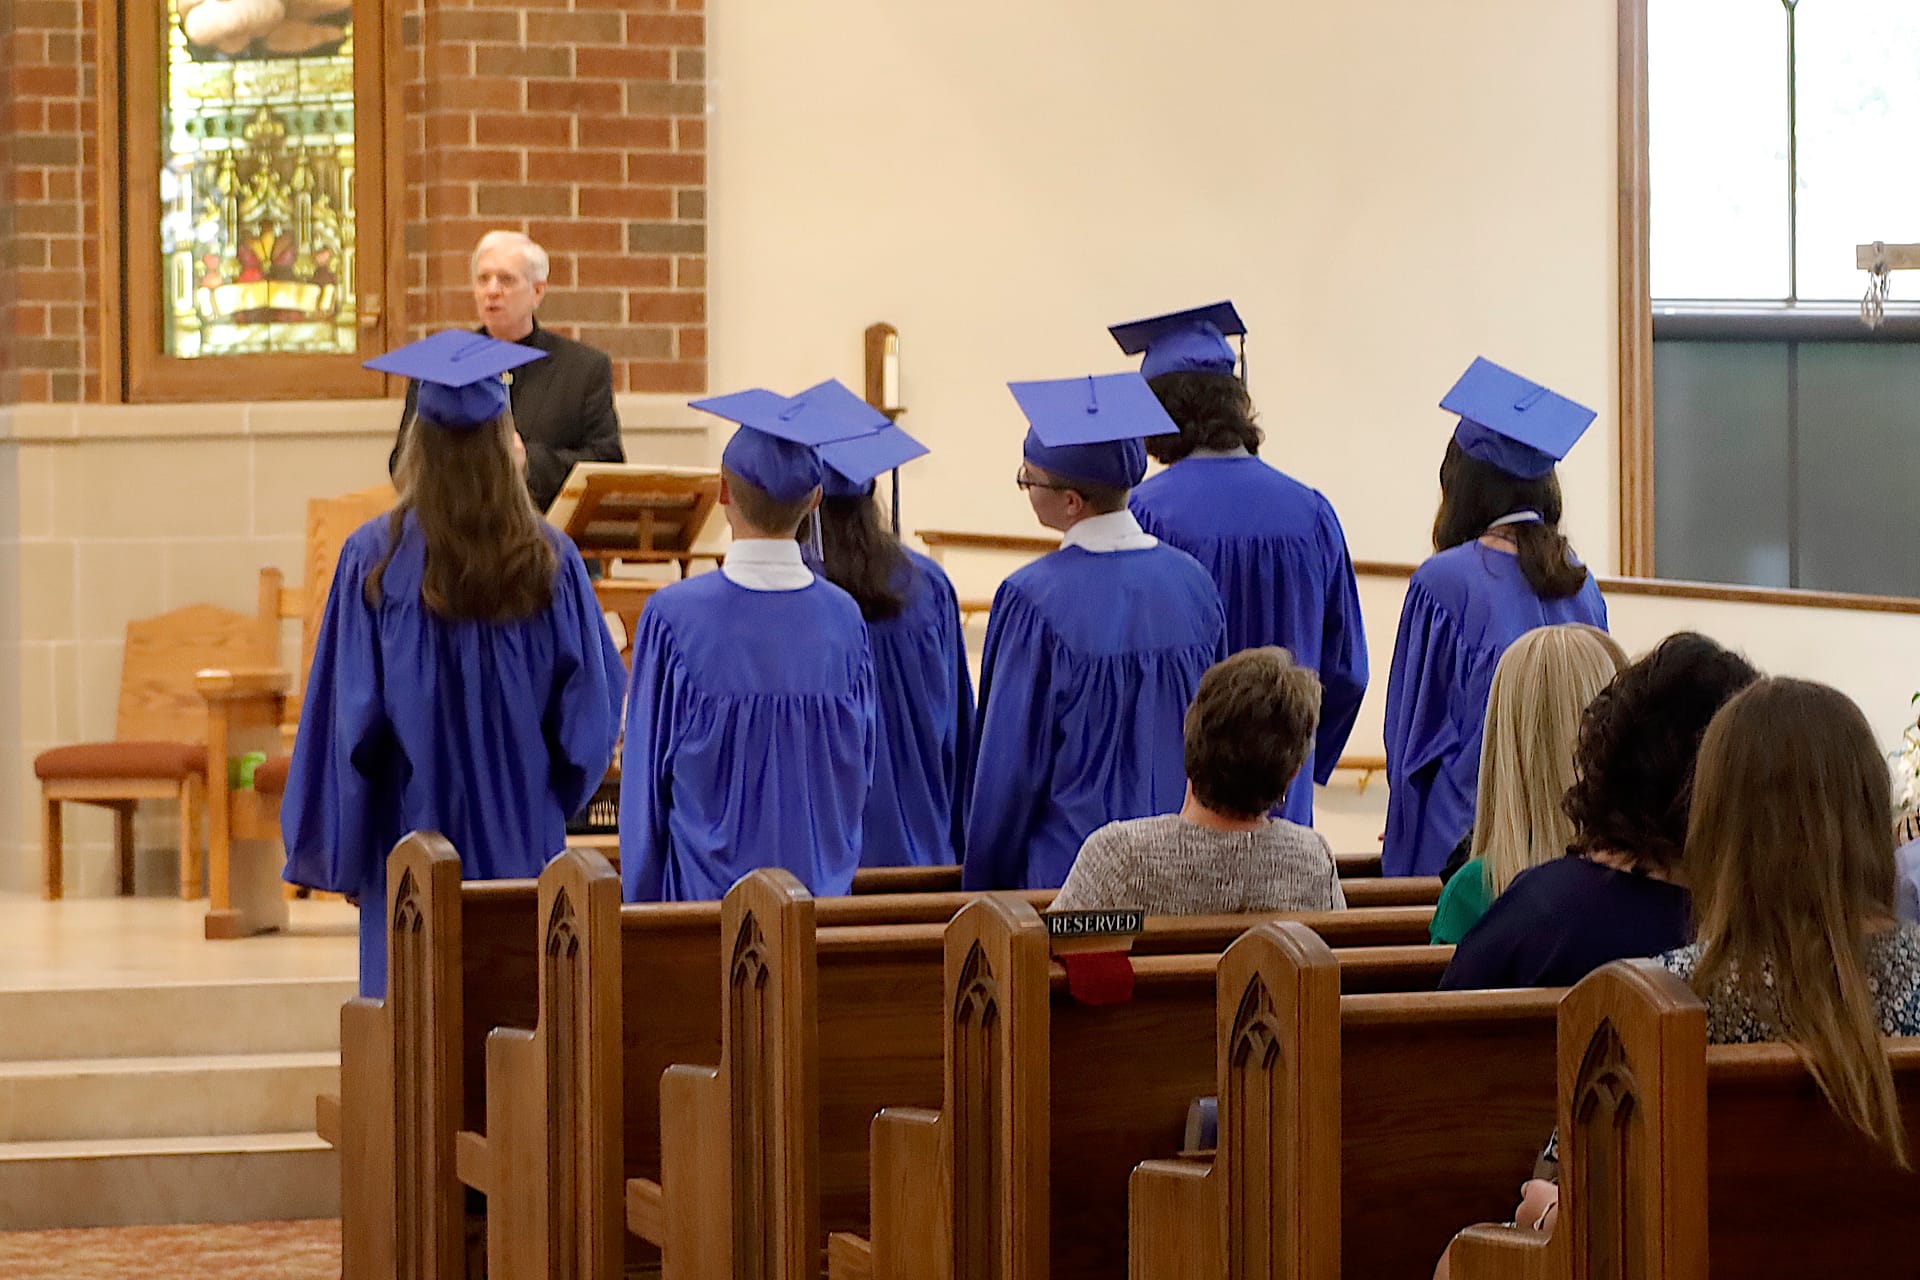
1464, 900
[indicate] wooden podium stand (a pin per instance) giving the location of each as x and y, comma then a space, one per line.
244, 709
631, 513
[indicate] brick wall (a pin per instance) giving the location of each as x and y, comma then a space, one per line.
53, 281
584, 126
580, 122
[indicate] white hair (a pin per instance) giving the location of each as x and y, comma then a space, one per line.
532, 257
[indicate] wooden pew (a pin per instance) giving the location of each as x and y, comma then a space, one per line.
1047, 1106
1444, 1099
822, 1029
399, 1164
1680, 1159
460, 961
875, 993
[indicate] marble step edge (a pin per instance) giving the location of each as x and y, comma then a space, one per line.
289, 1141
167, 1064
173, 1019
161, 1097
138, 1181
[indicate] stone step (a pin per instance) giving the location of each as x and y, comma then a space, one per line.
98, 1098
141, 1181
280, 1015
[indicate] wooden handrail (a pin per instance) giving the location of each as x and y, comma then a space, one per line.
1662, 588
941, 539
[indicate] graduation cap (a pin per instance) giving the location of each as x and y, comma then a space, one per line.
1513, 424
1090, 429
853, 465
774, 447
1192, 341
459, 375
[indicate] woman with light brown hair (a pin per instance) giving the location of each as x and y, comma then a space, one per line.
463, 680
1790, 853
1544, 682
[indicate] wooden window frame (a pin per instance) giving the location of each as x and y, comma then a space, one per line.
134, 366
1635, 287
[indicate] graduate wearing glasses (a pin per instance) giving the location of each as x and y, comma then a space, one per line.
1093, 652
1500, 568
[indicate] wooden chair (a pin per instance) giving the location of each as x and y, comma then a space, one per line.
159, 750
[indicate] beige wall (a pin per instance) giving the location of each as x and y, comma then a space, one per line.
1386, 187
130, 511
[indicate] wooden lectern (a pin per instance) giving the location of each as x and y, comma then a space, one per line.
631, 513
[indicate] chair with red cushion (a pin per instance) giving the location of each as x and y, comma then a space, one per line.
159, 749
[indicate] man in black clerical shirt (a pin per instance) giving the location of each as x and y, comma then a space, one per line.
563, 405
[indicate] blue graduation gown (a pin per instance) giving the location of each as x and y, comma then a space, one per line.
1090, 663
750, 739
1464, 607
916, 810
491, 733
1276, 550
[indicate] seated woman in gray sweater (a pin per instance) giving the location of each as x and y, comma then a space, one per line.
1247, 732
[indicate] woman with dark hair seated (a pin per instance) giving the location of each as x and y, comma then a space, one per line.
916, 808
1620, 891
1500, 568
1272, 545
1246, 734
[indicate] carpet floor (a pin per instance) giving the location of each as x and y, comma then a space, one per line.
215, 1251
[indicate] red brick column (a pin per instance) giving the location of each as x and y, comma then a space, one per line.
584, 127
51, 280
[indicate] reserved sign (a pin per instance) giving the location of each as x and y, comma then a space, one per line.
1088, 924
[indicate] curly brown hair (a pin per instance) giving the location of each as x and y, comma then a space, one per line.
1633, 763
1212, 410
1248, 730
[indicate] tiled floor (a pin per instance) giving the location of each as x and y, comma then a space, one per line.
106, 942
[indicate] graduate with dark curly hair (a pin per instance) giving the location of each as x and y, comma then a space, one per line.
1272, 545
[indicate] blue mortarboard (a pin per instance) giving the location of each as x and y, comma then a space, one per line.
1513, 424
853, 465
1090, 429
459, 375
1193, 341
774, 448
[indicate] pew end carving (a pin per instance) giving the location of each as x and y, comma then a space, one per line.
740, 1140
553, 1098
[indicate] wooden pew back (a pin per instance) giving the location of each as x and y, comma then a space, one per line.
1443, 1100
876, 1040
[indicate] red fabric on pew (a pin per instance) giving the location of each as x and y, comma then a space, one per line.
1099, 977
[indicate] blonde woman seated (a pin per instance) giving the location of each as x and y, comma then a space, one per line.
1544, 682
1246, 734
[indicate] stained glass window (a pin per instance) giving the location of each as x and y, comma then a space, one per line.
257, 178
